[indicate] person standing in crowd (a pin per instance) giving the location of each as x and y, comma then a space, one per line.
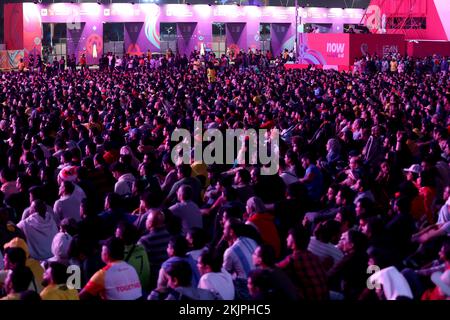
83, 62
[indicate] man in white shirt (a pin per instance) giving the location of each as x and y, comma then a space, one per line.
70, 173
110, 57
214, 278
36, 194
39, 229
118, 62
125, 180
321, 244
237, 259
444, 212
68, 205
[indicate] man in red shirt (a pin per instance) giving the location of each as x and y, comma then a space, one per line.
264, 223
304, 268
83, 61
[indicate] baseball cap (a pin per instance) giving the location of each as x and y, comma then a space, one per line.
68, 173
415, 168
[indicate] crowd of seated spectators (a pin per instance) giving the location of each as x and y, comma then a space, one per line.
359, 208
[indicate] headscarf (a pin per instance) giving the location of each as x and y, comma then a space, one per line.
393, 283
334, 153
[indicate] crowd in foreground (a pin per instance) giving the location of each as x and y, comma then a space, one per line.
93, 207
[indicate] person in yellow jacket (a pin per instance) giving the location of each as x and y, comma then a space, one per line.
200, 169
36, 268
55, 279
394, 65
285, 54
21, 65
211, 72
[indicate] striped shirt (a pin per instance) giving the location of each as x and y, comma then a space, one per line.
155, 243
325, 250
237, 259
163, 278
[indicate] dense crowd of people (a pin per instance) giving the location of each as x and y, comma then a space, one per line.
93, 206
151, 61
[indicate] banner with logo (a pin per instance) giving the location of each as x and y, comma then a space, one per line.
324, 49
341, 49
380, 44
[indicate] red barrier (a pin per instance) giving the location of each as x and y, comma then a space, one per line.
293, 66
289, 66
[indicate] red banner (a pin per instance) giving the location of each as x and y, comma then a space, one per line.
380, 44
13, 24
421, 49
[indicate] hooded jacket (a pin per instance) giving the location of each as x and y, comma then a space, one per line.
264, 223
36, 268
124, 184
39, 232
60, 247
